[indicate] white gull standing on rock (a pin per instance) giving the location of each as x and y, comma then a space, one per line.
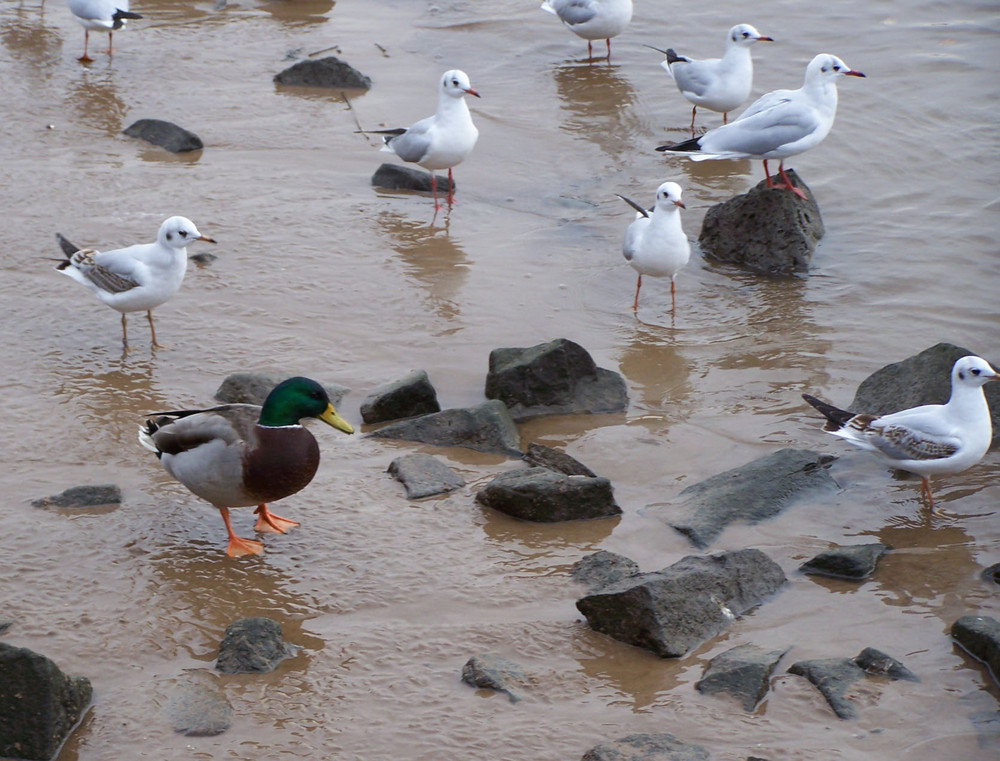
592, 19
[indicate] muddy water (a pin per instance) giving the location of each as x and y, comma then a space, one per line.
320, 274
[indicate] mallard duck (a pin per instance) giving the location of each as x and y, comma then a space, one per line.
241, 455
101, 16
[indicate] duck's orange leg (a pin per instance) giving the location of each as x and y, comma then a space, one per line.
271, 523
238, 547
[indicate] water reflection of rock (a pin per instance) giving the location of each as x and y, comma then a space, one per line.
655, 368
600, 105
299, 12
92, 101
632, 673
550, 543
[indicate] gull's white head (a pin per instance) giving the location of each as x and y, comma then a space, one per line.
456, 84
178, 232
668, 195
744, 35
972, 371
829, 67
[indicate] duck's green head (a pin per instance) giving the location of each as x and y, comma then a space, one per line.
296, 398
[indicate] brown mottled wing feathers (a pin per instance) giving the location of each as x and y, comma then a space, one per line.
901, 443
101, 276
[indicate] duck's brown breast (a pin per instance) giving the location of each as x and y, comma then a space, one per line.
281, 462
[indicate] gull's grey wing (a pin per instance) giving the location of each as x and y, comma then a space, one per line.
104, 278
414, 143
575, 11
903, 443
691, 77
762, 132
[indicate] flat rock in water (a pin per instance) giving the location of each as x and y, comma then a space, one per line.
672, 611
979, 636
924, 378
877, 663
647, 747
743, 671
253, 646
554, 378
83, 496
767, 230
410, 395
485, 428
494, 672
328, 72
39, 704
198, 708
834, 678
602, 568
399, 177
992, 573
164, 134
750, 493
546, 496
856, 561
253, 388
553, 459
424, 475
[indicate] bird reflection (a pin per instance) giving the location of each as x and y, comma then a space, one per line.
93, 101
712, 181
656, 369
600, 105
299, 12
27, 37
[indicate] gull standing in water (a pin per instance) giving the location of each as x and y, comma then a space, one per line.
100, 16
592, 19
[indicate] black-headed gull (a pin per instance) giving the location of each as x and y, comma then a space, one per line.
718, 84
779, 124
592, 19
138, 278
441, 141
931, 439
655, 243
100, 16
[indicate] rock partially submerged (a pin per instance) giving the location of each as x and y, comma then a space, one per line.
834, 678
253, 646
979, 636
750, 493
253, 388
408, 396
399, 177
647, 747
424, 475
494, 672
164, 134
329, 72
553, 459
767, 230
198, 708
877, 663
485, 428
39, 704
672, 611
545, 496
83, 496
602, 569
554, 378
854, 562
743, 671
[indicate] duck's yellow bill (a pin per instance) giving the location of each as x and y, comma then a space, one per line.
330, 417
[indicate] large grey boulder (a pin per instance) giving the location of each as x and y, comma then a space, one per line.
39, 704
834, 678
82, 496
855, 562
400, 177
767, 230
554, 378
329, 72
545, 496
424, 475
924, 378
485, 428
672, 611
494, 672
164, 134
253, 646
979, 636
743, 671
647, 747
253, 388
405, 397
750, 493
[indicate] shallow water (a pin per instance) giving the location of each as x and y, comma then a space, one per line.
321, 274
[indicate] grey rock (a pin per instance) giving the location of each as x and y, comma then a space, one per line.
743, 671
554, 378
647, 747
399, 177
83, 496
856, 561
328, 72
877, 663
545, 496
198, 708
553, 459
924, 378
672, 611
767, 230
253, 388
979, 636
411, 395
202, 259
5, 624
753, 492
602, 569
253, 646
485, 428
992, 573
833, 677
424, 475
39, 704
494, 672
164, 134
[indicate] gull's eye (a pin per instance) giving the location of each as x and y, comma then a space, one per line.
975, 371
183, 233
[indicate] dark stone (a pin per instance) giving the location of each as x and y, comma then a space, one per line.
603, 568
83, 496
494, 672
39, 704
411, 395
203, 259
553, 459
647, 747
5, 624
750, 493
328, 72
924, 378
979, 636
485, 428
743, 671
545, 496
399, 177
672, 611
253, 388
877, 663
855, 562
424, 475
992, 573
164, 134
833, 677
198, 708
554, 378
767, 230
253, 646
